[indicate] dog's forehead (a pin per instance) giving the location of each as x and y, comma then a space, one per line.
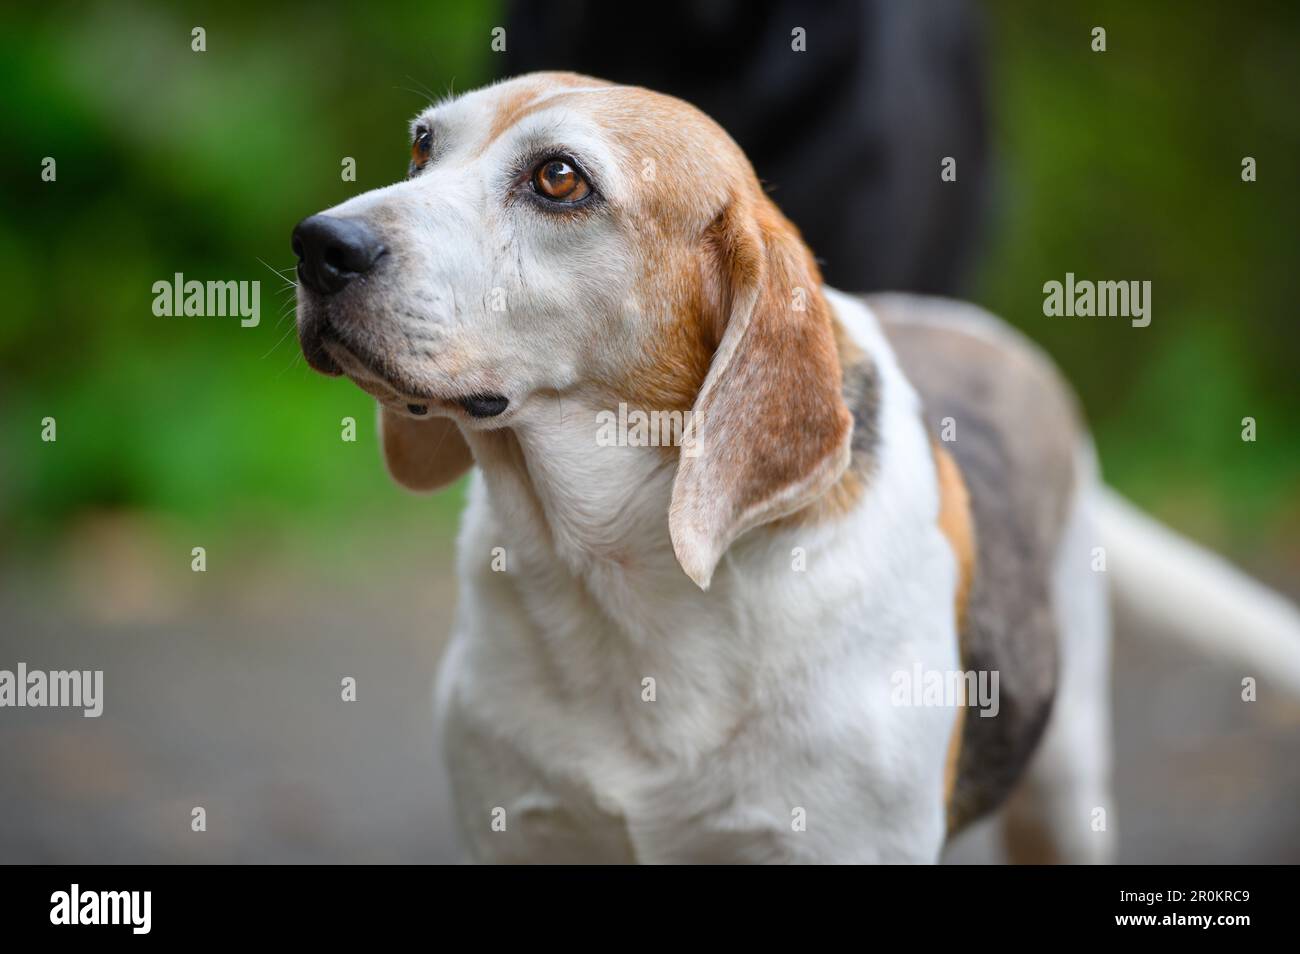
638, 121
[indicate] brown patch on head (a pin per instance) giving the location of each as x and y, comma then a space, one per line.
682, 345
736, 329
513, 107
527, 94
688, 184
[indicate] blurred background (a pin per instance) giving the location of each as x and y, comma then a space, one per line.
222, 688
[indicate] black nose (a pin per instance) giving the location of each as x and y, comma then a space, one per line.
331, 252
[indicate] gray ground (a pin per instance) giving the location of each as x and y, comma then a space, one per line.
225, 693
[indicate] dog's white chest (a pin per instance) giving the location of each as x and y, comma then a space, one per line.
752, 723
608, 710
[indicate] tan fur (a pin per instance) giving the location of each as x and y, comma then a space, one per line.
956, 523
677, 217
673, 373
958, 527
951, 761
525, 98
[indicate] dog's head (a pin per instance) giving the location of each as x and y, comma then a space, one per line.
561, 235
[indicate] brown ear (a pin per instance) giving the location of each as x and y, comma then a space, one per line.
771, 430
424, 453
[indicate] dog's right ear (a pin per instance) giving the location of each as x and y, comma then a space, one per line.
423, 453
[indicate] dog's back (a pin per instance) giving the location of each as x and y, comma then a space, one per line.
1007, 417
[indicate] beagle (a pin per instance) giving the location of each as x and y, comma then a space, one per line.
662, 656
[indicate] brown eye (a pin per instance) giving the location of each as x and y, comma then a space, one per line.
420, 148
558, 180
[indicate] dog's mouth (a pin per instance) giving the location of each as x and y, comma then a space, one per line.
475, 405
327, 353
484, 405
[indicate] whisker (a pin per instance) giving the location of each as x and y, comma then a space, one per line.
280, 273
427, 91
287, 312
294, 356
286, 334
415, 92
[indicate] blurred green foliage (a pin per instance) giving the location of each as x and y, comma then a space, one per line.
1122, 165
1127, 165
175, 161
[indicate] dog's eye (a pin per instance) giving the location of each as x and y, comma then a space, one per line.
559, 181
420, 148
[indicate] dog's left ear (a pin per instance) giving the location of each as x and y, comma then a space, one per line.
770, 427
423, 454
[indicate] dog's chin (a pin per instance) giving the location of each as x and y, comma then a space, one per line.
388, 383
312, 340
397, 390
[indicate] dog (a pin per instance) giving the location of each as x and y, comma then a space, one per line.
766, 639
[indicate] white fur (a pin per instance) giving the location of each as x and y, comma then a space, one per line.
772, 689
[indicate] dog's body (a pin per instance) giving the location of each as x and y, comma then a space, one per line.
773, 691
671, 656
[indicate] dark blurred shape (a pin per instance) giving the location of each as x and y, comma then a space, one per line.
848, 136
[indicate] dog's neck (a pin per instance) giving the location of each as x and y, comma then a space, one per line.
595, 503
601, 507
